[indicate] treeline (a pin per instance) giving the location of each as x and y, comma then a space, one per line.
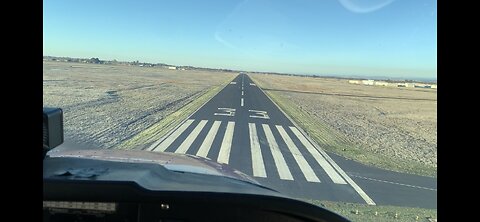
132, 63
98, 61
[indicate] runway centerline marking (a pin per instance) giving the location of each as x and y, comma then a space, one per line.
241, 102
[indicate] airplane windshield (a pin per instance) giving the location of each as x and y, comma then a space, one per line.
329, 102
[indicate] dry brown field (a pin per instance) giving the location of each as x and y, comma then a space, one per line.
105, 105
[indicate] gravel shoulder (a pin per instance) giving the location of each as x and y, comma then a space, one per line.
391, 128
106, 105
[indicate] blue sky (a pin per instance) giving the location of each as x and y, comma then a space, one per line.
393, 38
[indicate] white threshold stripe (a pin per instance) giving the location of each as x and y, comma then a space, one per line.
207, 143
301, 161
190, 138
336, 178
169, 140
349, 180
282, 167
155, 144
241, 102
257, 159
224, 154
342, 173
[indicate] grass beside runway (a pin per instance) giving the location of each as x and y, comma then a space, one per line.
364, 212
164, 126
335, 142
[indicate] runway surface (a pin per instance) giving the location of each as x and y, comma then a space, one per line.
243, 128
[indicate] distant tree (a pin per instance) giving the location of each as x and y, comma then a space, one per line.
95, 60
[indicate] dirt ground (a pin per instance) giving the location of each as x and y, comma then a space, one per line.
400, 123
106, 104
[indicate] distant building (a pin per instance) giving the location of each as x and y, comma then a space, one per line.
172, 67
381, 83
368, 82
393, 84
421, 85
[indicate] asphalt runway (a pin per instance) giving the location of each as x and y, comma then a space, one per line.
243, 128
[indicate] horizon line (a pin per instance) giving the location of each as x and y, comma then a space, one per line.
355, 76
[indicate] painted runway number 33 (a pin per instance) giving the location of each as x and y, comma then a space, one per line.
231, 112
259, 114
225, 112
